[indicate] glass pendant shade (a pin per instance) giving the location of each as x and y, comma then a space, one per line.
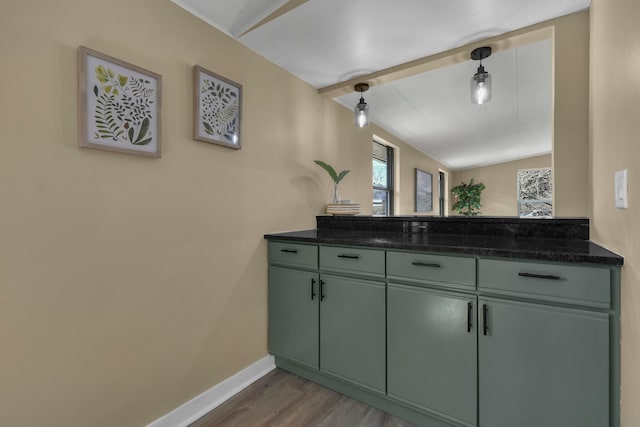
361, 111
481, 87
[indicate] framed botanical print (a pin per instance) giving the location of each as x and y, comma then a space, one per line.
217, 109
119, 105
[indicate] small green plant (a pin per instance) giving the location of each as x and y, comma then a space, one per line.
337, 177
467, 198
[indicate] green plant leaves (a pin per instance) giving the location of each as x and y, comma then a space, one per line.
468, 198
220, 109
208, 128
105, 122
337, 177
342, 175
139, 89
227, 114
143, 130
102, 74
123, 107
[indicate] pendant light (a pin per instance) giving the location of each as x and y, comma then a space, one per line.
361, 109
481, 80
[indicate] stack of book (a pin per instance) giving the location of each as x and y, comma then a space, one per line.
344, 209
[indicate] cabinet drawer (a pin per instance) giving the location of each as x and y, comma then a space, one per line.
457, 272
585, 285
293, 254
368, 262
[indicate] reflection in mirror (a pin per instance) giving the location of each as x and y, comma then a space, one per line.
382, 174
490, 142
535, 193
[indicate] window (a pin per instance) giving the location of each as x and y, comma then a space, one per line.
535, 193
442, 190
382, 179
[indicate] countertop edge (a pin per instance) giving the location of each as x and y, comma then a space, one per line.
604, 256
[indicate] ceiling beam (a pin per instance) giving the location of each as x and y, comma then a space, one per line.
510, 40
287, 7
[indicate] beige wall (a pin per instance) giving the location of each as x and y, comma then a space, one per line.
129, 285
501, 180
615, 113
571, 116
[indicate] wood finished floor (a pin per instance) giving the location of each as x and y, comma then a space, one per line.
284, 399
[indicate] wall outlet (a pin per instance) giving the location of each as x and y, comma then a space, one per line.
621, 189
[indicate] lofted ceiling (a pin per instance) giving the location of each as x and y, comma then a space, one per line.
329, 42
432, 111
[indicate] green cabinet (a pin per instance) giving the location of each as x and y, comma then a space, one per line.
432, 351
429, 269
542, 365
293, 255
447, 340
584, 285
328, 322
352, 330
293, 315
358, 261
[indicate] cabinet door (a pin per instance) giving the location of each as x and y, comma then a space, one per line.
293, 315
542, 366
352, 330
432, 351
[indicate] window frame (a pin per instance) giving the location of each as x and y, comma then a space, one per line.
390, 188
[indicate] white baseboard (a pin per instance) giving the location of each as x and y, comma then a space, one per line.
195, 408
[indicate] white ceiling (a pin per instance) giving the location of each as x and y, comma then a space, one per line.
433, 112
325, 42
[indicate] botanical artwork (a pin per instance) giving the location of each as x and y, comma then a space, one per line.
217, 110
424, 191
535, 192
121, 105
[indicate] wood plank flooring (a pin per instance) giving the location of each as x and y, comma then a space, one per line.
284, 399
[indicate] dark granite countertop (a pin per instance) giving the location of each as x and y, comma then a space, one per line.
560, 250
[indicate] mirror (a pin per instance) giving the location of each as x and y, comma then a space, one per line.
432, 111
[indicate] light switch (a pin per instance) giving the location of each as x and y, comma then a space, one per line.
621, 189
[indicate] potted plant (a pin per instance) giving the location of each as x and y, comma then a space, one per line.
467, 198
337, 177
